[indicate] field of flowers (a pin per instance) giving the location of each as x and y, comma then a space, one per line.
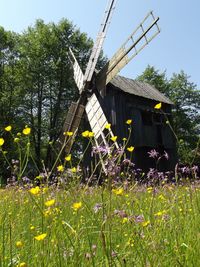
123, 217
98, 226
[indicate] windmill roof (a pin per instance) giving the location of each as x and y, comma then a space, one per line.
139, 88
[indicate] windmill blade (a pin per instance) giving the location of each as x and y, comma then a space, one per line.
78, 74
71, 124
98, 121
99, 41
141, 36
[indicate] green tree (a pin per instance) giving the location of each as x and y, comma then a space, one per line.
186, 109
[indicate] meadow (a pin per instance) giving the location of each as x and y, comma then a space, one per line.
118, 221
95, 226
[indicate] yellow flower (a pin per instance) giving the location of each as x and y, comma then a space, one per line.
145, 223
22, 264
32, 227
158, 106
108, 125
35, 190
68, 133
68, 158
50, 203
76, 206
128, 122
16, 140
40, 237
60, 168
124, 139
91, 134
160, 213
85, 134
73, 169
118, 191
26, 130
125, 220
130, 149
8, 128
19, 244
1, 141
113, 138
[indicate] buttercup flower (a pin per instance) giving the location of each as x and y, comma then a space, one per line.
16, 140
128, 122
26, 130
130, 149
40, 237
50, 203
158, 106
76, 206
68, 158
108, 126
85, 134
68, 133
118, 191
91, 134
73, 169
19, 244
22, 264
35, 190
8, 128
60, 168
1, 141
113, 138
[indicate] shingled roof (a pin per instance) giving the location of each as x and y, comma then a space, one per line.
139, 89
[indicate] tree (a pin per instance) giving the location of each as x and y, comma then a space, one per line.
186, 109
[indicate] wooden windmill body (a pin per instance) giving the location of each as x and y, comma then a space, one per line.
97, 90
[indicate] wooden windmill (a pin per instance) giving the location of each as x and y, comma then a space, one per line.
92, 84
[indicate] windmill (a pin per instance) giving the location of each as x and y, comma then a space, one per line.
91, 83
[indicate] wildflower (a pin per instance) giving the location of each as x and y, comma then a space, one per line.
113, 138
85, 134
35, 190
108, 125
60, 168
1, 141
130, 149
153, 154
32, 227
91, 134
68, 133
118, 191
125, 220
97, 207
16, 140
76, 206
124, 139
26, 130
128, 122
8, 128
22, 264
74, 170
40, 237
145, 223
160, 213
50, 203
68, 158
158, 106
19, 244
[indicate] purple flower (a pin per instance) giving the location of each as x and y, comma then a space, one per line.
153, 154
97, 207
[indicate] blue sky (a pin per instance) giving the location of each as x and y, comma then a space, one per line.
175, 48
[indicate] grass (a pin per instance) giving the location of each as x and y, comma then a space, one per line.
88, 226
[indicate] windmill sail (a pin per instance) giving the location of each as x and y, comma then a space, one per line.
140, 37
99, 41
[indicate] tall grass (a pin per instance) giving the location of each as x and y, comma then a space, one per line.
140, 226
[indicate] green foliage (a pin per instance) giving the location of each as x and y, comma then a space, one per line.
186, 109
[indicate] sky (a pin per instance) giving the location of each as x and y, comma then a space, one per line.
176, 48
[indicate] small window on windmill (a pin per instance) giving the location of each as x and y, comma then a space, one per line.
146, 118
